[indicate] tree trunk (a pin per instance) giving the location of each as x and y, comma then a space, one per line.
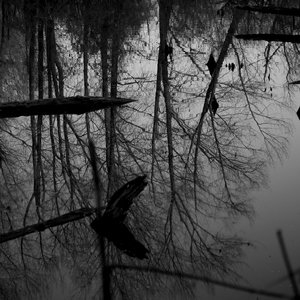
165, 8
272, 10
66, 218
68, 105
270, 37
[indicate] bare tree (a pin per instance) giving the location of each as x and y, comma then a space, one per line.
201, 164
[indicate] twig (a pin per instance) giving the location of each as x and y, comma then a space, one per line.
287, 263
205, 279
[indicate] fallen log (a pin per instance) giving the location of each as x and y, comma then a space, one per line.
55, 106
38, 227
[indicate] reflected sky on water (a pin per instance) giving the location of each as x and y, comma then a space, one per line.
277, 207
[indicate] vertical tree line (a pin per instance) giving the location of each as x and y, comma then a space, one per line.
201, 165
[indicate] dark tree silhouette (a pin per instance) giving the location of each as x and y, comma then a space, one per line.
169, 51
111, 224
211, 64
214, 105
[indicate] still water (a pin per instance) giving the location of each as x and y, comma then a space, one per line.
277, 207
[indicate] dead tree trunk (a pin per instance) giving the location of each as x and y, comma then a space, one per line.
66, 218
67, 105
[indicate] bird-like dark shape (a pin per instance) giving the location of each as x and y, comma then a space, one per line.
111, 224
214, 105
232, 66
168, 51
211, 64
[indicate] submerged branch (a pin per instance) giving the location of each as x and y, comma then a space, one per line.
66, 218
67, 105
204, 279
285, 38
271, 10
